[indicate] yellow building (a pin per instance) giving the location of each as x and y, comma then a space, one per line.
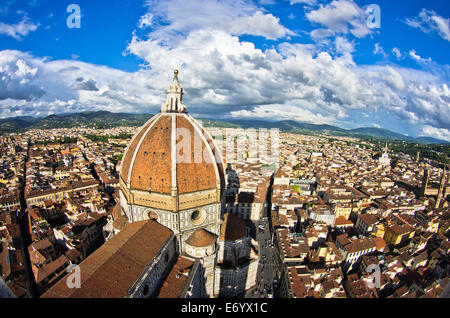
342, 209
444, 226
396, 234
379, 230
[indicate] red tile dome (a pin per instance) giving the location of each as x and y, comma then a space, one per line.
172, 151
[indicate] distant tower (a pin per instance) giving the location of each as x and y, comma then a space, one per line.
441, 189
384, 159
418, 157
426, 177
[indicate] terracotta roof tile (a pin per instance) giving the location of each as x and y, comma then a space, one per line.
191, 175
176, 279
113, 268
153, 164
131, 149
201, 238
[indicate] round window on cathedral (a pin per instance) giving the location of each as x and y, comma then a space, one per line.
198, 216
152, 215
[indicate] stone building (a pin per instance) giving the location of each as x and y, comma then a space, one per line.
237, 258
135, 263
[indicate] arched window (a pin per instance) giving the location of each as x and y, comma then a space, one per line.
152, 215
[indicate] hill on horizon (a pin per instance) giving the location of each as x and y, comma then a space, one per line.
105, 119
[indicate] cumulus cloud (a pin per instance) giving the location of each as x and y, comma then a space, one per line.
18, 30
417, 57
293, 81
284, 112
261, 24
35, 86
88, 85
17, 79
222, 75
341, 16
378, 50
443, 133
175, 17
396, 52
442, 71
307, 2
428, 21
145, 20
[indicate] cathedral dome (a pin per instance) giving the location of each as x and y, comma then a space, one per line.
172, 154
201, 238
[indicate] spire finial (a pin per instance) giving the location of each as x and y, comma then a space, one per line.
174, 96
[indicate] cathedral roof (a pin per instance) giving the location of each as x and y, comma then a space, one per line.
177, 278
172, 151
114, 267
201, 238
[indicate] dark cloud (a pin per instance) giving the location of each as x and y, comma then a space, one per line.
89, 85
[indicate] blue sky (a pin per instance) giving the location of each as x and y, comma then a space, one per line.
313, 61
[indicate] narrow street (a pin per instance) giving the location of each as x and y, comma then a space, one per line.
25, 230
266, 286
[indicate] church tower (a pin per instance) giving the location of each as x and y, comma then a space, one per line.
441, 188
384, 159
426, 176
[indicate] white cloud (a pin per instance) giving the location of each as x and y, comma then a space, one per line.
261, 24
18, 30
34, 86
225, 76
145, 20
442, 71
441, 133
175, 17
307, 2
284, 112
397, 52
428, 21
235, 78
378, 50
341, 16
415, 56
